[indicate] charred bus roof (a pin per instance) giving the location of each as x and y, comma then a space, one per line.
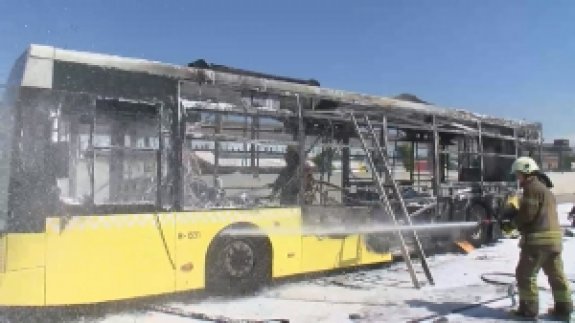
202, 64
41, 62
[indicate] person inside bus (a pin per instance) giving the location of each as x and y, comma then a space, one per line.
287, 184
571, 216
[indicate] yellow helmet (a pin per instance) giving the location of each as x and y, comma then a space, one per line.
525, 165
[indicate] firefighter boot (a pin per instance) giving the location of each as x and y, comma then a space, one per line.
527, 309
562, 310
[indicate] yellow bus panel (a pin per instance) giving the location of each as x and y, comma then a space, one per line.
91, 259
2, 253
196, 230
322, 253
22, 287
22, 279
97, 258
24, 251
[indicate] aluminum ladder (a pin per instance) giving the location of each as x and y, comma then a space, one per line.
376, 151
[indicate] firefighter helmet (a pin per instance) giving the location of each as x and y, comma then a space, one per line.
525, 165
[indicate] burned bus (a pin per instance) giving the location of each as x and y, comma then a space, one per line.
123, 178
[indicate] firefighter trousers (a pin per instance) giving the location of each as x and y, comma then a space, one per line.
531, 260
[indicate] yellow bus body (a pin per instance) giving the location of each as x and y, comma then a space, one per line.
91, 259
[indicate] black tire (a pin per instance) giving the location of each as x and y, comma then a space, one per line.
479, 234
238, 265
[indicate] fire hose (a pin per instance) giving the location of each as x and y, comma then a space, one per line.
489, 278
170, 310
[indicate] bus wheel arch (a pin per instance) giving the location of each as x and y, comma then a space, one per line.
236, 263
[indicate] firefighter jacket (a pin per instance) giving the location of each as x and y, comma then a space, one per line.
537, 218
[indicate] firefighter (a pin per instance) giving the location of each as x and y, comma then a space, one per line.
287, 183
540, 243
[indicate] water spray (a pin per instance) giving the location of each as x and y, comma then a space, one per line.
348, 230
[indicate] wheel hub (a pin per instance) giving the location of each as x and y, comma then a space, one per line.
238, 259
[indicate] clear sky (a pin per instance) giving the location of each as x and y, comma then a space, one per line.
513, 59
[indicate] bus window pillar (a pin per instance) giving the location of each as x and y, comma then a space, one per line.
118, 132
302, 151
92, 161
436, 160
177, 135
74, 151
345, 165
481, 161
217, 148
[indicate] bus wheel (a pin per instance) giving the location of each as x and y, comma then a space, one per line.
479, 234
238, 264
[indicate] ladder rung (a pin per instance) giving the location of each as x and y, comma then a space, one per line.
381, 184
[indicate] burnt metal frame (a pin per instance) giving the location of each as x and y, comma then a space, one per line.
384, 118
391, 117
92, 149
385, 113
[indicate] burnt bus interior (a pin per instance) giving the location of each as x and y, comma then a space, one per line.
108, 140
237, 137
